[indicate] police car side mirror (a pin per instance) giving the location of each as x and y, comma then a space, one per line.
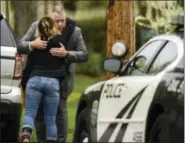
139, 62
112, 65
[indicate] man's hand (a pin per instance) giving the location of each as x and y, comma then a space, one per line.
59, 52
38, 44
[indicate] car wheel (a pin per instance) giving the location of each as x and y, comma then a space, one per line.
160, 132
82, 130
10, 132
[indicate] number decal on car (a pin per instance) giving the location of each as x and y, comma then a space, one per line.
138, 136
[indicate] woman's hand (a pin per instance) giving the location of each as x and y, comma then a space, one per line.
38, 44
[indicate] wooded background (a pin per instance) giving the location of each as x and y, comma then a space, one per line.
93, 17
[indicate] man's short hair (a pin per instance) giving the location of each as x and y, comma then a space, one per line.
58, 9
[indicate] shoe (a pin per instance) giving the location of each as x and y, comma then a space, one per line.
26, 134
26, 140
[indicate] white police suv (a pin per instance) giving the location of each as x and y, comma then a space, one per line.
144, 102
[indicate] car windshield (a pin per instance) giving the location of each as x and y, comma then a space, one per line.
6, 34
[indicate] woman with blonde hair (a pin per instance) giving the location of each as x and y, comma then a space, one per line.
43, 77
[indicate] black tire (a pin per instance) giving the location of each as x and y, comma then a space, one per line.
160, 131
10, 133
82, 129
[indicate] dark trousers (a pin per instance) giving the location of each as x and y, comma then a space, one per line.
61, 120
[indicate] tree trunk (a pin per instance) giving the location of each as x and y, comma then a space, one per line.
46, 7
25, 12
141, 8
54, 3
70, 5
181, 3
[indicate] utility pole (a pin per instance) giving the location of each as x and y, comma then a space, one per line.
120, 25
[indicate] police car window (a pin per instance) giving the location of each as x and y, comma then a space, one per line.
6, 36
142, 60
166, 56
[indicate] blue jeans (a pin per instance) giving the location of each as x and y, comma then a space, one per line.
46, 90
61, 120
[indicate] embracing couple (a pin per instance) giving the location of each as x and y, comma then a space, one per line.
53, 45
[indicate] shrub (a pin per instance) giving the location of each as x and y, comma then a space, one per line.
93, 67
94, 34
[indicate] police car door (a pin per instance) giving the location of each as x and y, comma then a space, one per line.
121, 95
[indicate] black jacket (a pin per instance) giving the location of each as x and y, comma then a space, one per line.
42, 63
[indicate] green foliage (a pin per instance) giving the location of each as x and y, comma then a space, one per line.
143, 22
91, 4
92, 67
94, 34
159, 20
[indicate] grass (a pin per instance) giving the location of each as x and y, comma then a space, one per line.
81, 82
